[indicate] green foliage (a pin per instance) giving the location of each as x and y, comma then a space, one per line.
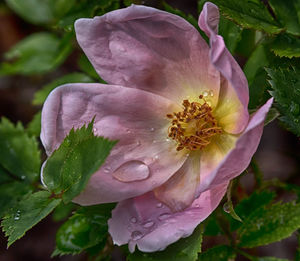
231, 33
34, 127
186, 249
249, 14
248, 205
19, 153
85, 229
33, 11
212, 226
69, 167
191, 19
269, 224
41, 95
286, 45
273, 114
286, 91
287, 15
86, 9
228, 206
27, 213
41, 11
36, 54
63, 211
85, 65
220, 253
11, 193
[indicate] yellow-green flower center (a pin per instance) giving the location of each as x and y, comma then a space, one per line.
194, 127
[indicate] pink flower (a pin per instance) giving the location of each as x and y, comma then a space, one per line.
179, 110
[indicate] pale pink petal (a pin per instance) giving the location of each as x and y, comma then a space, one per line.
212, 156
152, 226
237, 88
179, 191
142, 159
149, 49
239, 158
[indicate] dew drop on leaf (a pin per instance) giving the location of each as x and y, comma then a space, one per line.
226, 207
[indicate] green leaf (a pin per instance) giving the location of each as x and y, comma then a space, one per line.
36, 54
34, 127
186, 249
63, 211
212, 226
33, 11
31, 210
286, 45
286, 85
86, 9
249, 205
40, 12
269, 224
257, 60
286, 13
85, 65
80, 155
85, 229
220, 253
11, 193
191, 19
231, 33
249, 14
19, 153
41, 95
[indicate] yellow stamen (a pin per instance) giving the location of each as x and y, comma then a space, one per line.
193, 127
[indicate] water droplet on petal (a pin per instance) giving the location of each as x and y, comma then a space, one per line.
136, 235
132, 171
106, 169
128, 131
133, 220
159, 205
167, 139
164, 216
154, 141
138, 143
205, 94
156, 157
226, 207
208, 103
95, 129
211, 93
148, 224
152, 129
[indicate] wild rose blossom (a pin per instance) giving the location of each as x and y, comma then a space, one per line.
179, 110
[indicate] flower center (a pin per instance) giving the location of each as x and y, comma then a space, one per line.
193, 127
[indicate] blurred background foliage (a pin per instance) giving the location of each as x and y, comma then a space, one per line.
260, 217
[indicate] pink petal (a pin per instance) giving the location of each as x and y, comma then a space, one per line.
179, 191
142, 159
239, 158
147, 223
149, 49
226, 64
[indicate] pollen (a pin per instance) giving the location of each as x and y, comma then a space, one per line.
194, 126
